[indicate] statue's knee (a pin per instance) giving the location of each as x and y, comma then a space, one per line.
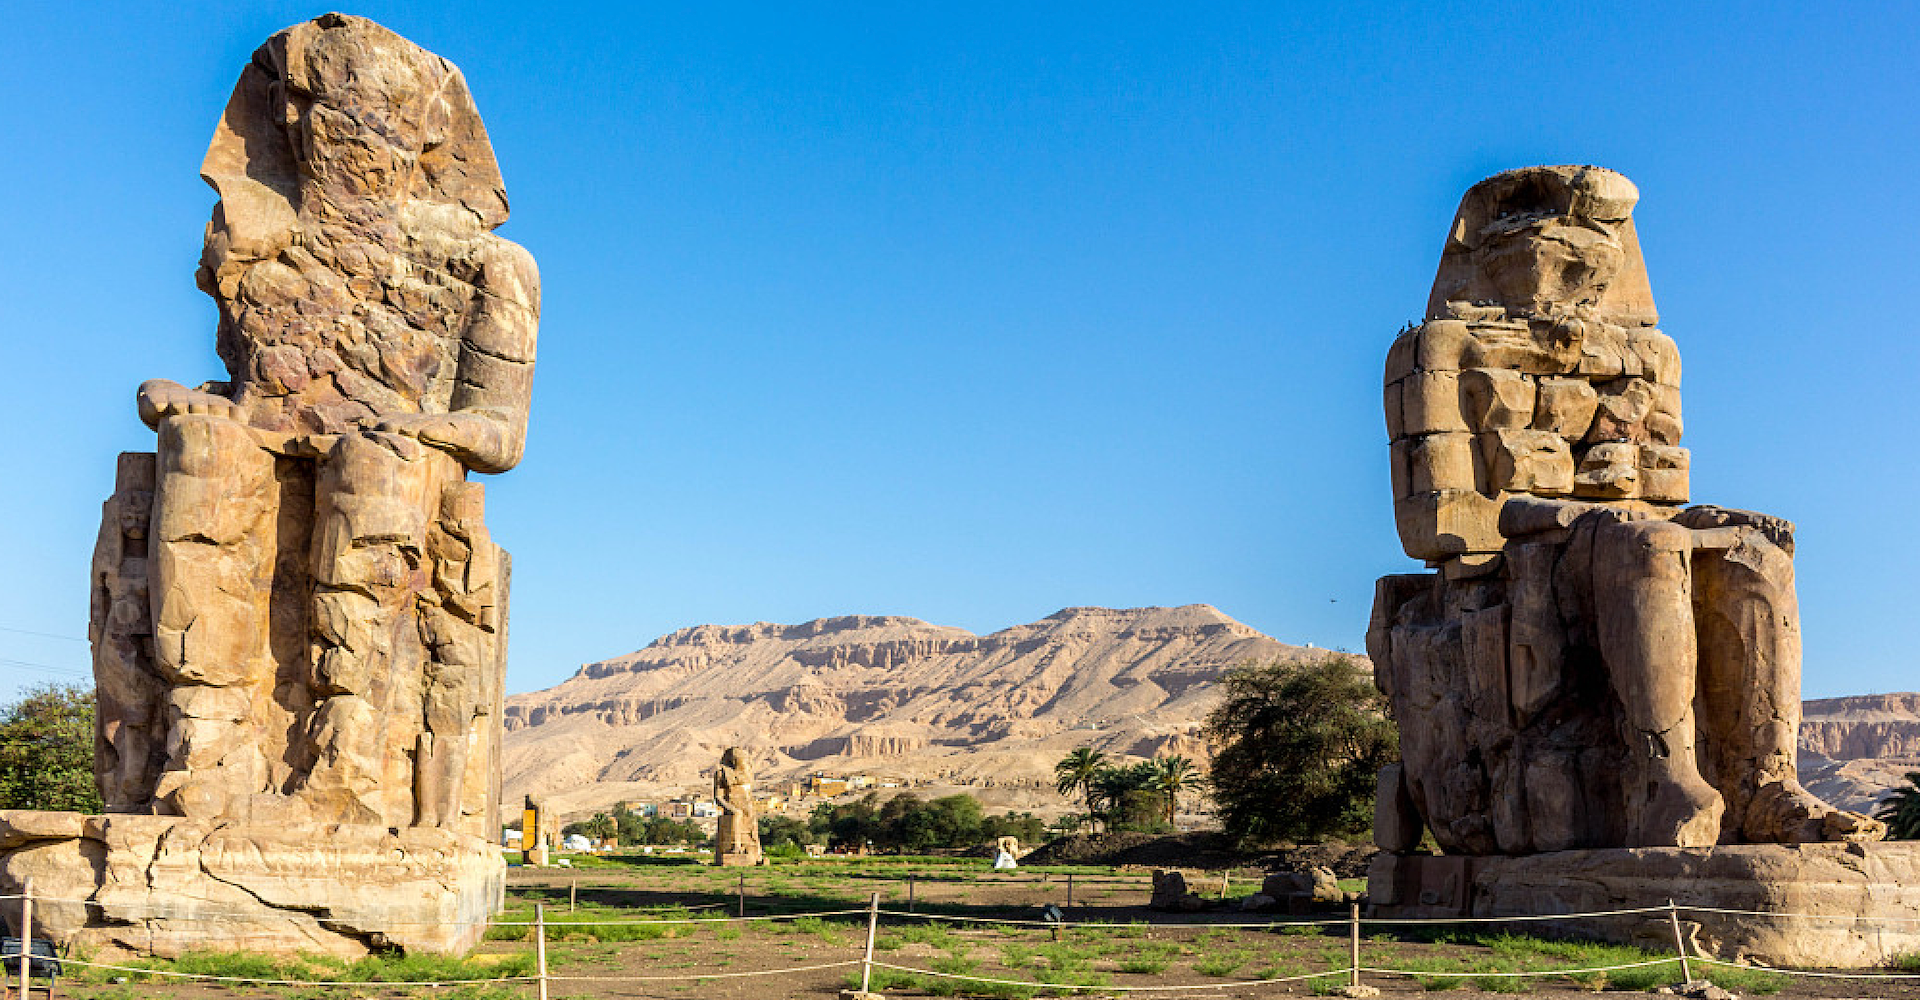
203, 445
1647, 539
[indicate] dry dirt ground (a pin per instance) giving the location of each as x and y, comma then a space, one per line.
598, 948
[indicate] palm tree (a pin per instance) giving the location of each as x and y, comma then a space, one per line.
1077, 770
1901, 810
1171, 776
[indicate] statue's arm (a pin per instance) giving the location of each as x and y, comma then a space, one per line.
487, 428
1522, 515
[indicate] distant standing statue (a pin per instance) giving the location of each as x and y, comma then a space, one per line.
299, 615
1006, 851
1592, 663
737, 841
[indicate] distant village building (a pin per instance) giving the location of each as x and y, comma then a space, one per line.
825, 787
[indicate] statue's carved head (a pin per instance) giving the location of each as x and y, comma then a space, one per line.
1546, 241
734, 758
341, 117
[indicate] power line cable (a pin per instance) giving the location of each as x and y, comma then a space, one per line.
47, 668
43, 635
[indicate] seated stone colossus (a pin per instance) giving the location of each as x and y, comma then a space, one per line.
298, 609
298, 613
1591, 663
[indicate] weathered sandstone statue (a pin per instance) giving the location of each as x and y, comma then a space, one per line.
737, 840
299, 616
1591, 663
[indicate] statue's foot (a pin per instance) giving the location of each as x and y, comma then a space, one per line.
1685, 812
1782, 812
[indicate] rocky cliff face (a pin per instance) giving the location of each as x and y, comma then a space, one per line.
1873, 725
879, 695
1854, 750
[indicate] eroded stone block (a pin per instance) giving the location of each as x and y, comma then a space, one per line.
1526, 461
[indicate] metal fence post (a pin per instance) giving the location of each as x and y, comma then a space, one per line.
540, 944
1069, 890
1353, 947
743, 895
26, 937
1679, 943
909, 892
873, 923
573, 895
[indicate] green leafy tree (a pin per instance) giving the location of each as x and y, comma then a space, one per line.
629, 827
909, 823
1901, 810
1301, 745
1076, 772
847, 824
1171, 776
1022, 826
778, 830
1125, 798
46, 751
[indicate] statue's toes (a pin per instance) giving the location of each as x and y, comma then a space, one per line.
1851, 827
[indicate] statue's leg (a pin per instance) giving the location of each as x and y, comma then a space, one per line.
1749, 639
212, 548
375, 496
1643, 598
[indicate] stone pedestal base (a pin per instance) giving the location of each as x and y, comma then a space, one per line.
1821, 905
739, 860
161, 885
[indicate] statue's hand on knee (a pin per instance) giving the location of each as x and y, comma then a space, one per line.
478, 441
160, 398
1777, 530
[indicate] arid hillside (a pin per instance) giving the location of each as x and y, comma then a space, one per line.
882, 696
943, 709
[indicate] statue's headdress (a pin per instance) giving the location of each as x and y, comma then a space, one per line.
1589, 205
408, 97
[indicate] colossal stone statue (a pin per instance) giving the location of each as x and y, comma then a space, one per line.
299, 616
1591, 664
737, 840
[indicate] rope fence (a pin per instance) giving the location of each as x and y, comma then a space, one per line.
541, 978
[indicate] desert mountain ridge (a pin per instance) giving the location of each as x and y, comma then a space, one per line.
882, 695
941, 708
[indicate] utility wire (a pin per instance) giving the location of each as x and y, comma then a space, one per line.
43, 635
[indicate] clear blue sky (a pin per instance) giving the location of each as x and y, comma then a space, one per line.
974, 311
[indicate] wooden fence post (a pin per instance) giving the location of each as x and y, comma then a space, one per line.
1679, 943
26, 937
540, 944
873, 924
1353, 947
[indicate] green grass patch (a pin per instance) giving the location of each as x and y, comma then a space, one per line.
828, 933
1222, 963
379, 968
